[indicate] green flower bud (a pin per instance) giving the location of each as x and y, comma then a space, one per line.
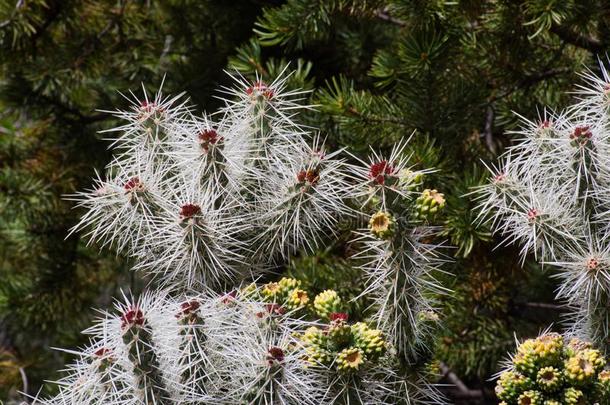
288, 284
530, 398
350, 359
584, 365
371, 341
549, 379
576, 345
316, 346
314, 336
573, 396
271, 291
326, 303
297, 299
428, 204
511, 384
340, 334
543, 351
318, 355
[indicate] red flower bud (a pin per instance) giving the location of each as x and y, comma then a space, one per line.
260, 88
133, 184
378, 171
532, 214
102, 352
132, 317
275, 354
309, 176
189, 211
338, 317
189, 307
581, 134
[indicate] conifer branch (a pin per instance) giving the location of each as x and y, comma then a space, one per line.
464, 391
385, 16
589, 43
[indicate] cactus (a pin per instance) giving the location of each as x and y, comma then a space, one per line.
208, 204
549, 194
396, 252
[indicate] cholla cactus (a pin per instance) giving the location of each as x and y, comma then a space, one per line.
550, 194
265, 363
549, 370
204, 202
199, 349
136, 356
207, 204
397, 257
227, 349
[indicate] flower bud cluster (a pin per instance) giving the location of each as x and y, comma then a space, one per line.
347, 348
286, 292
549, 370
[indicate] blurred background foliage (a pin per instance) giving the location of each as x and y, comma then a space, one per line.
452, 71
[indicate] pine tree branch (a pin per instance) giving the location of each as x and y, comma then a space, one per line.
383, 14
352, 111
115, 21
489, 128
47, 23
528, 81
589, 43
464, 391
65, 110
